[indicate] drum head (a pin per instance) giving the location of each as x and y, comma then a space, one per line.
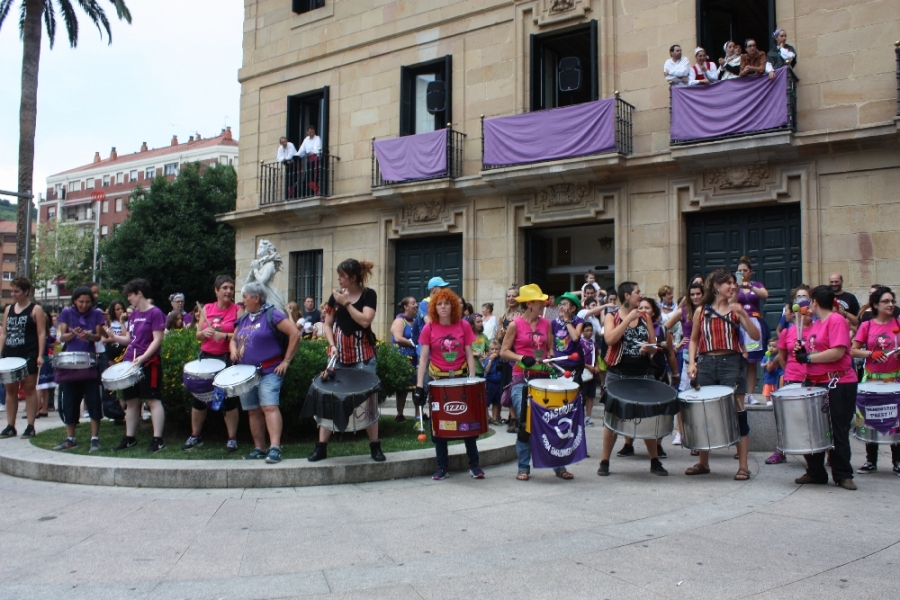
553, 385
235, 375
12, 363
707, 392
204, 368
796, 390
878, 387
119, 370
640, 398
455, 381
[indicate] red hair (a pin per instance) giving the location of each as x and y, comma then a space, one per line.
445, 295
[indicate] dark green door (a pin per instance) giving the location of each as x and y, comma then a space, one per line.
769, 235
420, 259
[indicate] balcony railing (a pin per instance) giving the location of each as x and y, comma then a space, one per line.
298, 179
423, 157
897, 52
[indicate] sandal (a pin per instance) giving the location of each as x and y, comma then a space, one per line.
565, 475
742, 475
698, 469
523, 476
695, 453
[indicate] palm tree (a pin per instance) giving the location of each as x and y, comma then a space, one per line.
31, 13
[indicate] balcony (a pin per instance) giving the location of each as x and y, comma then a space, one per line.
302, 179
437, 155
897, 52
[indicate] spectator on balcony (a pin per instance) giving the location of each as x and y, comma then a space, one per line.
754, 62
677, 69
730, 65
702, 71
311, 149
287, 156
783, 54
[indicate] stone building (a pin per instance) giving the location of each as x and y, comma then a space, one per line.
816, 194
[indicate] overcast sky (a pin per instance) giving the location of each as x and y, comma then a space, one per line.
173, 71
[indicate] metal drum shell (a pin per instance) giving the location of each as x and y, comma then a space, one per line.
802, 419
551, 393
870, 435
121, 376
650, 428
364, 415
13, 369
240, 387
708, 421
74, 360
466, 399
628, 416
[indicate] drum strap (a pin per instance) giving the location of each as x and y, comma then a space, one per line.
436, 373
832, 378
882, 376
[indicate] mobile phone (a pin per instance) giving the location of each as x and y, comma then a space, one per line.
738, 277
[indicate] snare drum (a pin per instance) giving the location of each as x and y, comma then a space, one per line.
458, 407
122, 376
236, 380
550, 393
640, 408
13, 369
876, 419
74, 360
199, 375
802, 419
709, 418
348, 401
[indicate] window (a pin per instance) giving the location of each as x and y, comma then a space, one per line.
150, 173
104, 207
9, 275
120, 177
721, 20
307, 275
9, 259
104, 230
106, 181
223, 160
234, 163
170, 168
118, 205
303, 6
89, 183
414, 80
305, 110
7, 293
548, 51
74, 186
9, 239
51, 213
133, 176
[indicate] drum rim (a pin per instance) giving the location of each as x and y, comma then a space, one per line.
200, 375
237, 369
456, 381
534, 383
693, 391
870, 384
16, 358
119, 366
807, 391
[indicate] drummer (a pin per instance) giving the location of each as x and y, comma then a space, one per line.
348, 330
215, 329
24, 335
630, 336
80, 327
874, 339
446, 351
256, 341
527, 341
828, 363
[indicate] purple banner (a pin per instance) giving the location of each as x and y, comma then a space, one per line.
579, 130
730, 107
878, 411
557, 435
412, 157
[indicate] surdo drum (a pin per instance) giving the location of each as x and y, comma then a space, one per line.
121, 376
347, 401
458, 407
876, 419
802, 419
199, 375
644, 409
709, 418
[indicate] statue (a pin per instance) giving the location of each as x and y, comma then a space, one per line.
263, 269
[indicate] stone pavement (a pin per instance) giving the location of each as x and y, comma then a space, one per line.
630, 535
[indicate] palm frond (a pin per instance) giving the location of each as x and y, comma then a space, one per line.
5, 5
121, 10
97, 16
71, 21
50, 21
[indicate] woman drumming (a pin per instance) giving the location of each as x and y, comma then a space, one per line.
629, 333
685, 315
528, 340
874, 339
80, 326
828, 363
716, 355
751, 294
401, 337
215, 330
446, 351
348, 330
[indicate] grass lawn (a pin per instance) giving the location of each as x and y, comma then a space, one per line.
395, 437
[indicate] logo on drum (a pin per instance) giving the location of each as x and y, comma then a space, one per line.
455, 408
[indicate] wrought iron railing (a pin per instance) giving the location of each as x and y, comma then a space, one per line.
624, 112
297, 179
455, 141
897, 52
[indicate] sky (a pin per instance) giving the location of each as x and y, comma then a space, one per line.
173, 71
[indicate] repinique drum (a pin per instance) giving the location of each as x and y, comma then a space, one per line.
199, 375
74, 360
13, 369
876, 412
551, 393
458, 407
121, 376
709, 418
802, 419
347, 401
644, 409
237, 380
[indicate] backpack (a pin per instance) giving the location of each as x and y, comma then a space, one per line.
270, 319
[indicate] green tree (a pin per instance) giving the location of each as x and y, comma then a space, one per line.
31, 14
171, 237
63, 252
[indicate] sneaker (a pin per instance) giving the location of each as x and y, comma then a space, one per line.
67, 444
440, 474
476, 472
807, 478
847, 484
9, 432
145, 415
768, 403
156, 444
193, 441
400, 419
86, 415
589, 422
273, 456
751, 399
627, 450
603, 471
257, 454
897, 468
95, 445
868, 467
657, 469
660, 452
126, 443
676, 439
231, 445
29, 432
777, 458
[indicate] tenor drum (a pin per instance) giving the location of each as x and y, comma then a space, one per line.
458, 407
644, 409
709, 418
802, 419
74, 360
237, 380
13, 369
199, 375
348, 401
550, 393
876, 419
121, 376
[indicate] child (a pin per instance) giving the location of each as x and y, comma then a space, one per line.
494, 381
591, 372
480, 345
590, 280
773, 370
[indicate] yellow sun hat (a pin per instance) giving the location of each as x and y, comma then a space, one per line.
531, 293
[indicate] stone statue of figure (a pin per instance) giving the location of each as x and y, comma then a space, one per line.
263, 269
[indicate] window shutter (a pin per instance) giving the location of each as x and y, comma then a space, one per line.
406, 125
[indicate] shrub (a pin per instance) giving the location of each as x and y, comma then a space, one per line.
178, 347
394, 370
309, 361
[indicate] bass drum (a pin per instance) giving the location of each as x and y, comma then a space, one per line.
458, 408
877, 407
348, 401
709, 418
802, 419
644, 409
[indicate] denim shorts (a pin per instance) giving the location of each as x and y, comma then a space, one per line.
264, 394
729, 370
369, 365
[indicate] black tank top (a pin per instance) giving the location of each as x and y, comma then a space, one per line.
21, 333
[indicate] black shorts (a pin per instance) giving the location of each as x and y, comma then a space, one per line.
71, 393
231, 402
589, 388
148, 388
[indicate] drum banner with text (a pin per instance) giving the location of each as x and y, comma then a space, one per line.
557, 435
878, 411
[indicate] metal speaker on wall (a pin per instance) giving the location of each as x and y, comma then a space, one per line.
569, 74
436, 97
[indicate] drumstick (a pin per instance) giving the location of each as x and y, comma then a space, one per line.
561, 370
573, 356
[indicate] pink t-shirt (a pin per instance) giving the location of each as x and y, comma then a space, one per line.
825, 335
531, 342
875, 336
793, 371
447, 344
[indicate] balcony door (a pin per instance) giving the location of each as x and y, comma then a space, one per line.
305, 110
721, 20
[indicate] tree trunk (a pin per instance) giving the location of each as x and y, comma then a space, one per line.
31, 56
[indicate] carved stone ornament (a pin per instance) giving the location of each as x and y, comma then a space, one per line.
737, 177
423, 212
562, 194
549, 12
562, 5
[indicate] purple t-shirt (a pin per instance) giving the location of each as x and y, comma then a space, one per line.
141, 326
749, 300
87, 321
257, 343
563, 344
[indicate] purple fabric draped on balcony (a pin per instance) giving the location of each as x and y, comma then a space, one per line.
731, 107
411, 157
579, 130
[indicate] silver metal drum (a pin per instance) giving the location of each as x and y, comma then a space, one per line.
348, 401
74, 360
709, 418
876, 420
802, 419
640, 408
13, 369
237, 380
122, 375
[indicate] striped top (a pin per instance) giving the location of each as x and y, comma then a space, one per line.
719, 332
614, 352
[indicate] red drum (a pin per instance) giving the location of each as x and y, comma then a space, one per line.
458, 408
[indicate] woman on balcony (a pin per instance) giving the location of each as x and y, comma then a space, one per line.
754, 62
730, 65
783, 54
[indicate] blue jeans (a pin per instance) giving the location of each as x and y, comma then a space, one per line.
371, 366
523, 449
267, 393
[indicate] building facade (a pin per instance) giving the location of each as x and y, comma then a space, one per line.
812, 196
